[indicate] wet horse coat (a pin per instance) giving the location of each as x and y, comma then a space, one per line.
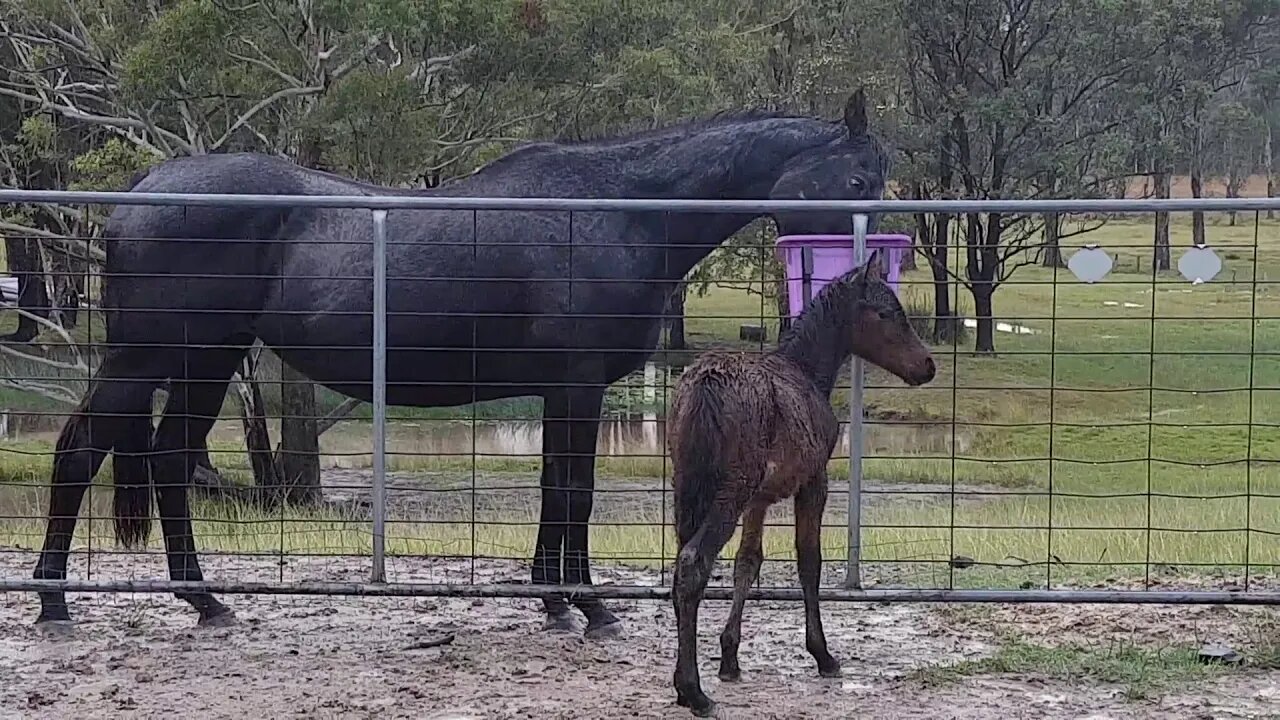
746, 431
481, 306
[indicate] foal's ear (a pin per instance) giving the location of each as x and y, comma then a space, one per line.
855, 113
871, 270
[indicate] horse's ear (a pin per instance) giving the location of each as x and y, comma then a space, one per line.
855, 113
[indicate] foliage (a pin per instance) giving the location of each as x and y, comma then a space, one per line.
983, 98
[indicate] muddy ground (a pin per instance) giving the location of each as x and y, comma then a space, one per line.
141, 656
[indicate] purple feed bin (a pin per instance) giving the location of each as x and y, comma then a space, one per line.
815, 260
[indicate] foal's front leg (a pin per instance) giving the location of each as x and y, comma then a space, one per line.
810, 503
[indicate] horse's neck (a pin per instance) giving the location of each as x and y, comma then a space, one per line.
739, 163
820, 342
735, 160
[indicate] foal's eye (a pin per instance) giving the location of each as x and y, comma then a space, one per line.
855, 182
883, 315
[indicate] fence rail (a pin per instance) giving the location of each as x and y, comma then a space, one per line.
424, 202
950, 461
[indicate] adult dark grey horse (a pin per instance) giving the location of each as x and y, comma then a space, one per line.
481, 305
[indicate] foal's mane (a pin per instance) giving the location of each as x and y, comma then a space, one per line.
817, 312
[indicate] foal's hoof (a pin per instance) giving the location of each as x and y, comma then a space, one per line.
226, 618
56, 628
604, 630
559, 623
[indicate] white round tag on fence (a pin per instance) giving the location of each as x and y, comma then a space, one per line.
1200, 264
1091, 263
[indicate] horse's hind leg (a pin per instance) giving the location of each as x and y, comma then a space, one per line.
746, 566
189, 415
122, 387
810, 503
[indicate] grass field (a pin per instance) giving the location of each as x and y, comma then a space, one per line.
1138, 423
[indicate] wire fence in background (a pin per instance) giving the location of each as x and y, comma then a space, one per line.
1115, 443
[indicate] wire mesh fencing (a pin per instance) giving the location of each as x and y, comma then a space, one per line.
379, 403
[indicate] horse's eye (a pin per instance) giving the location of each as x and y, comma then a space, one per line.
855, 182
883, 315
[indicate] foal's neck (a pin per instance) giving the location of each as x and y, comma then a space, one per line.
821, 339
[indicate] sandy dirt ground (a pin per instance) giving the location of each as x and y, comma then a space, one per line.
141, 656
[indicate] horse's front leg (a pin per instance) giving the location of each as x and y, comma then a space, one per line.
571, 426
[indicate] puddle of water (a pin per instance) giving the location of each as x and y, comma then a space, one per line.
1004, 327
346, 445
349, 444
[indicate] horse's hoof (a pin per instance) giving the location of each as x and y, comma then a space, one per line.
702, 706
227, 618
831, 672
703, 710
56, 628
604, 631
730, 675
559, 623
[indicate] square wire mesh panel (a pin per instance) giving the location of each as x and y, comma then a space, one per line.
1107, 429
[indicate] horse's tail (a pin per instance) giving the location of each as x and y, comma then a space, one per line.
131, 474
127, 438
700, 459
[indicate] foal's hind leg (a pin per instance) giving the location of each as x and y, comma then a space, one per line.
810, 503
746, 566
693, 570
122, 387
189, 415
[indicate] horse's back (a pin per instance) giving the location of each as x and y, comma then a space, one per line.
203, 260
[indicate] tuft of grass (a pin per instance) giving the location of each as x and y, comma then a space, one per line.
1143, 673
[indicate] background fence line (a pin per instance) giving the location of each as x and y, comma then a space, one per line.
378, 584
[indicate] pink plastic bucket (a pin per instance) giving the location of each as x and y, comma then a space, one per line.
831, 256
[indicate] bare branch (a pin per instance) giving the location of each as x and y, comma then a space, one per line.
261, 105
67, 246
119, 123
345, 408
57, 393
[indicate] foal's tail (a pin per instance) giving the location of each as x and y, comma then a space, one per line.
700, 463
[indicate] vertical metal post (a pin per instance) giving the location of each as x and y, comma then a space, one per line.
853, 571
379, 395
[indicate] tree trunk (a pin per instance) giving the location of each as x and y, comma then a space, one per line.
1052, 256
1234, 182
257, 438
1163, 257
783, 301
986, 342
70, 280
934, 235
1197, 188
675, 318
983, 264
25, 263
1268, 151
298, 459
